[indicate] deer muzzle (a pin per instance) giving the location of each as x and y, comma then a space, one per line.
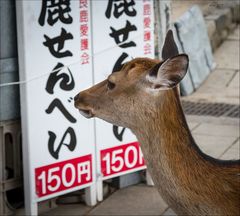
83, 108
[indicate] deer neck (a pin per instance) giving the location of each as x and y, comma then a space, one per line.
189, 181
165, 131
173, 159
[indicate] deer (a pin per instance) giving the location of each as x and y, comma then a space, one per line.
144, 97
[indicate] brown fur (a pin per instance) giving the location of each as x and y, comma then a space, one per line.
191, 182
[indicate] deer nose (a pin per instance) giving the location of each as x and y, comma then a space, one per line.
76, 97
79, 99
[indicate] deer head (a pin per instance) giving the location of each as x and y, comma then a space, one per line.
131, 95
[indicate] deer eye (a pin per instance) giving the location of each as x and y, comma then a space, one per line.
110, 85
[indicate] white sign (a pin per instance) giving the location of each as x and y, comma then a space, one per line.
121, 31
58, 144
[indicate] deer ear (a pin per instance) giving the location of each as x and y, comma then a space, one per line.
169, 48
169, 73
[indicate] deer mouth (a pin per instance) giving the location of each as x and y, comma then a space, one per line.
86, 113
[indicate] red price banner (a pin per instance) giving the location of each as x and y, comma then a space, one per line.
121, 158
63, 175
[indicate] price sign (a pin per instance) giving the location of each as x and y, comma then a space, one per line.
126, 32
64, 175
55, 49
121, 159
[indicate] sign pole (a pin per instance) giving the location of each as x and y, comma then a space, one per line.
99, 190
30, 208
90, 195
149, 179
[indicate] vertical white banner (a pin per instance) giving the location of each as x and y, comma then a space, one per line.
122, 30
58, 143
